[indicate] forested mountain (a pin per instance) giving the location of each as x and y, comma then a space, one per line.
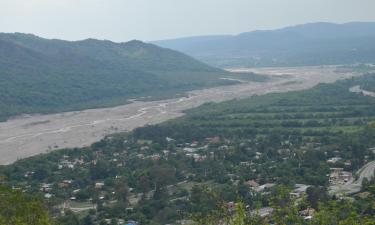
42, 75
308, 44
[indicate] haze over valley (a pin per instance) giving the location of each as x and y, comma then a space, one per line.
240, 112
301, 45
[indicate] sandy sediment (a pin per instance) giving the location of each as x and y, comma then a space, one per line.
31, 135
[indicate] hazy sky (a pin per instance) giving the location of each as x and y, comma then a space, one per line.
123, 20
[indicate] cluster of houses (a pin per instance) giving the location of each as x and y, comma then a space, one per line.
259, 188
298, 192
199, 152
339, 176
66, 163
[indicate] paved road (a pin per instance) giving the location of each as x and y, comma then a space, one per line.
357, 89
366, 172
354, 186
31, 135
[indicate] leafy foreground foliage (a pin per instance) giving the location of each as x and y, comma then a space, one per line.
343, 212
195, 168
41, 76
19, 209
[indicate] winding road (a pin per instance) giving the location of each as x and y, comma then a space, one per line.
354, 186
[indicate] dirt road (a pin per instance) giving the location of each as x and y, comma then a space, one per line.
31, 135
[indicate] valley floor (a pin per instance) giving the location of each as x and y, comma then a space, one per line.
31, 135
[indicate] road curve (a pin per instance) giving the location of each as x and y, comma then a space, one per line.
354, 186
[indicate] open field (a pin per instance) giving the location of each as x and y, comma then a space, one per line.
31, 135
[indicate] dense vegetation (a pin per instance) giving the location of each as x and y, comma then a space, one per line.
324, 111
288, 211
41, 76
221, 162
308, 44
19, 209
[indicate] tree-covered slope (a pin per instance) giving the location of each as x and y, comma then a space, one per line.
39, 75
308, 44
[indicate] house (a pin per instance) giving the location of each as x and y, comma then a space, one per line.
76, 191
185, 222
299, 191
29, 173
46, 187
155, 157
79, 161
66, 164
346, 176
263, 212
307, 218
283, 151
47, 195
99, 185
307, 212
364, 195
334, 160
252, 183
194, 144
169, 139
65, 183
213, 140
197, 157
245, 163
263, 187
223, 148
145, 148
338, 175
231, 206
189, 150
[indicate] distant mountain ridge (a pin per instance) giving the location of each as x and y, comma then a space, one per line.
301, 45
40, 75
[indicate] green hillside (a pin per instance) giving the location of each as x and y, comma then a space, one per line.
40, 76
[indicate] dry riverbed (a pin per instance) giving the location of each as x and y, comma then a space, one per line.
35, 134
